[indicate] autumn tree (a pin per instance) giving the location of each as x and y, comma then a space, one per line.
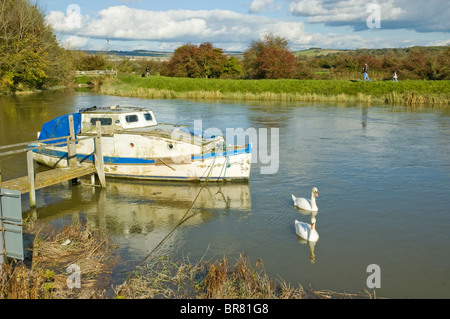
232, 68
211, 60
276, 63
269, 58
30, 56
425, 63
88, 62
348, 63
182, 63
443, 65
203, 61
374, 63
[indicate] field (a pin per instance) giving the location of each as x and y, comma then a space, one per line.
409, 92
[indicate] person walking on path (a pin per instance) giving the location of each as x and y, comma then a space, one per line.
366, 72
395, 76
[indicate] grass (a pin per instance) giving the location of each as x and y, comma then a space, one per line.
44, 275
408, 92
164, 278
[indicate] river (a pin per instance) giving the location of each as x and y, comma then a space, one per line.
383, 175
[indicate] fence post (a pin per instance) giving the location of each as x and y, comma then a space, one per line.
2, 246
71, 151
2, 243
30, 168
72, 148
99, 164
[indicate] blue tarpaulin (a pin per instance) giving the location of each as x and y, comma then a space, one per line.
59, 127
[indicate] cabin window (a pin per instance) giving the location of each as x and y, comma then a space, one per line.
104, 121
147, 116
131, 118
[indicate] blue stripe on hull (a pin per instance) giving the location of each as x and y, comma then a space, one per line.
83, 158
177, 178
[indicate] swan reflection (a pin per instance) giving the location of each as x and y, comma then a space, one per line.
311, 245
307, 233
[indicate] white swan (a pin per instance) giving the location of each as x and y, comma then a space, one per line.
306, 204
306, 231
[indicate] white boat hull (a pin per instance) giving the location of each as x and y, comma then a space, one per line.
231, 165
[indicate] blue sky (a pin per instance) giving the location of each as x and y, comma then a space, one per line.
233, 24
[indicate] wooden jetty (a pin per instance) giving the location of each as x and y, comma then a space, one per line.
33, 181
49, 178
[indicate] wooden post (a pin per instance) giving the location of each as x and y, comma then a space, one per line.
2, 250
0, 174
99, 164
30, 166
71, 146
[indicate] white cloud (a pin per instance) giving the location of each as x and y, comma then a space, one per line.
440, 43
345, 12
57, 20
67, 23
338, 41
74, 42
124, 23
257, 5
135, 28
422, 16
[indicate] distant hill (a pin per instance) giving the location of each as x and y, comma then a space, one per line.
149, 54
316, 52
308, 53
135, 53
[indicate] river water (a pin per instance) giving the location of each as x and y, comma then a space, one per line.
383, 175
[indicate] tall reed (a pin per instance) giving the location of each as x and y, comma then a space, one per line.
220, 279
429, 93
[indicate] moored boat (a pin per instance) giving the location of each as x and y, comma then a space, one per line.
136, 146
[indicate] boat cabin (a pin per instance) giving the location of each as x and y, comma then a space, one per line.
115, 118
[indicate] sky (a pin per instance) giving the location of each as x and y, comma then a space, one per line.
232, 25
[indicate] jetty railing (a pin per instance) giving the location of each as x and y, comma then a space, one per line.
70, 141
96, 72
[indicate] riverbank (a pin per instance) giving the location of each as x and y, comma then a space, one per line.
410, 93
45, 273
57, 261
29, 92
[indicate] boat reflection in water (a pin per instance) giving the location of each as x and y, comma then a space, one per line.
140, 214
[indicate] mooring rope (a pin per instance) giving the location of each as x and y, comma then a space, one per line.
182, 220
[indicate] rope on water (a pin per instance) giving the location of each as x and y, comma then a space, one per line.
182, 220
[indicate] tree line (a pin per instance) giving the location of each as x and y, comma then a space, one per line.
415, 63
271, 58
31, 58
